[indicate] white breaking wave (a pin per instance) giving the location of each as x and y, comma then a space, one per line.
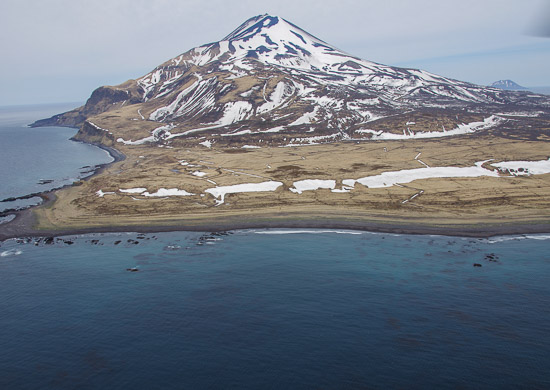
7, 218
11, 252
278, 232
540, 237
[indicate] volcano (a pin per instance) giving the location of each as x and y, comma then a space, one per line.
269, 81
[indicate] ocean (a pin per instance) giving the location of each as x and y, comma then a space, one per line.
271, 308
274, 309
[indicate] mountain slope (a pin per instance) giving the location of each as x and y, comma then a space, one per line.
270, 80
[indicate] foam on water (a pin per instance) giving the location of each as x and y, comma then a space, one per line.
12, 252
540, 237
311, 231
7, 218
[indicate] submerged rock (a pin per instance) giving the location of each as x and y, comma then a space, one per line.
491, 257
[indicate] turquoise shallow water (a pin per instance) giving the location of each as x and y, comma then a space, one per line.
277, 310
29, 155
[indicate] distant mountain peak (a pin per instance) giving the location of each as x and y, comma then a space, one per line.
508, 85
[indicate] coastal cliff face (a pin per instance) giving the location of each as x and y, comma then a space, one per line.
103, 99
94, 135
271, 83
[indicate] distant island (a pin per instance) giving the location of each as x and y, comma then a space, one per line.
513, 86
272, 126
508, 85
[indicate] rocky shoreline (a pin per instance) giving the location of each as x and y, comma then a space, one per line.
22, 224
25, 221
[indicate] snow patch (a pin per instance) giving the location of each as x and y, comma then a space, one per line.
273, 130
133, 190
235, 112
101, 194
167, 192
220, 192
276, 99
312, 185
307, 118
138, 142
389, 179
524, 168
242, 132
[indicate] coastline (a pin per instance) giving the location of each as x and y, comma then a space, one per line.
115, 154
23, 225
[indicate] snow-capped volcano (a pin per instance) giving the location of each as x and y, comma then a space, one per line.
273, 41
271, 77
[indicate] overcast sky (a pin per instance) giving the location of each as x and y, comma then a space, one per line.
60, 50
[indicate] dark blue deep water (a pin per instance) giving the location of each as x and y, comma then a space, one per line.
275, 311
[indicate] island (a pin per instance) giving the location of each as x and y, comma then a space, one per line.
272, 127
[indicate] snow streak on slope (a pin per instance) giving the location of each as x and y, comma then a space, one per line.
464, 128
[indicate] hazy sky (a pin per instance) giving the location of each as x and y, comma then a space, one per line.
60, 50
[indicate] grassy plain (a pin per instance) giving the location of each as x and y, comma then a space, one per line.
461, 203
